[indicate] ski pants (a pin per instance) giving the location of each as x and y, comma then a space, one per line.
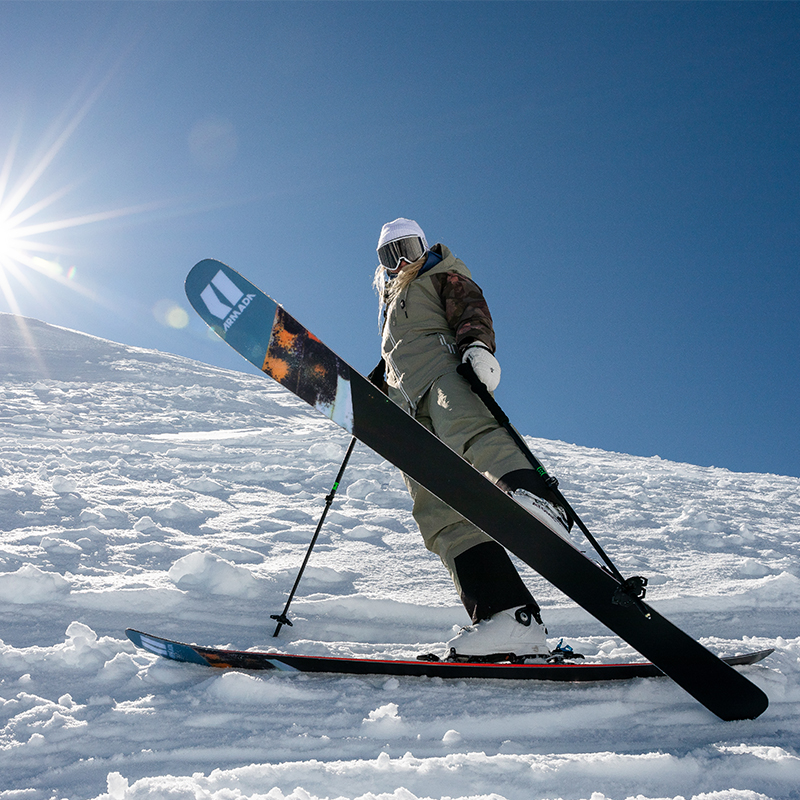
458, 417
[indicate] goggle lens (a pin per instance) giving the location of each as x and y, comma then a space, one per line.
408, 249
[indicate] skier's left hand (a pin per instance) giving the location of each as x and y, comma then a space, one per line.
484, 364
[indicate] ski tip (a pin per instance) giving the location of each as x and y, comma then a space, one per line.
134, 635
166, 648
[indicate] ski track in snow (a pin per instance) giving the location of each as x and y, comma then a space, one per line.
140, 489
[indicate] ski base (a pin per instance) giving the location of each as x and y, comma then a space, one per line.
560, 671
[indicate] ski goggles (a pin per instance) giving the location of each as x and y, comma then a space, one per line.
409, 249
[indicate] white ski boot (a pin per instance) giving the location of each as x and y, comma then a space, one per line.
550, 514
517, 632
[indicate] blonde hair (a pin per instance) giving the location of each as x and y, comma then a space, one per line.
389, 289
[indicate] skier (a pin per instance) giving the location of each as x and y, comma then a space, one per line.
434, 317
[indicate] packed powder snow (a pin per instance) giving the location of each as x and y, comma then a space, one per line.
140, 489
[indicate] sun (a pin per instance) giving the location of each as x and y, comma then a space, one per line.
27, 225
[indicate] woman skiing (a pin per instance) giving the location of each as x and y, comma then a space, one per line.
434, 318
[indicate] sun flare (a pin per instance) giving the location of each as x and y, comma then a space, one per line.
28, 220
27, 225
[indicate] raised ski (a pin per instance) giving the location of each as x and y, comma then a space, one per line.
274, 341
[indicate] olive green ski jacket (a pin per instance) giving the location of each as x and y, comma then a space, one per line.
428, 326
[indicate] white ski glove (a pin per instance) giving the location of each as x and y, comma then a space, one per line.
483, 363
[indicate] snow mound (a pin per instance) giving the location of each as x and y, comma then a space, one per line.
210, 574
30, 585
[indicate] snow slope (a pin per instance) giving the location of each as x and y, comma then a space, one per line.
140, 489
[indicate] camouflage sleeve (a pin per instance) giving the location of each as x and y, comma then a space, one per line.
465, 309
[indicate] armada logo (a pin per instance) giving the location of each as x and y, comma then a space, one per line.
222, 285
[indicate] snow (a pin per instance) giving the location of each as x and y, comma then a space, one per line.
140, 489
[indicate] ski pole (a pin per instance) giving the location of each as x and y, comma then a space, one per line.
281, 618
631, 590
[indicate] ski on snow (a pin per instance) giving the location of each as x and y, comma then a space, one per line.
224, 658
262, 331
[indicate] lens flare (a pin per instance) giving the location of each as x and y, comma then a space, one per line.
170, 314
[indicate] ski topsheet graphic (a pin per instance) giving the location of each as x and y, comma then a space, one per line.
271, 339
299, 361
290, 354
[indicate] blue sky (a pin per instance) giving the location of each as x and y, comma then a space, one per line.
621, 178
